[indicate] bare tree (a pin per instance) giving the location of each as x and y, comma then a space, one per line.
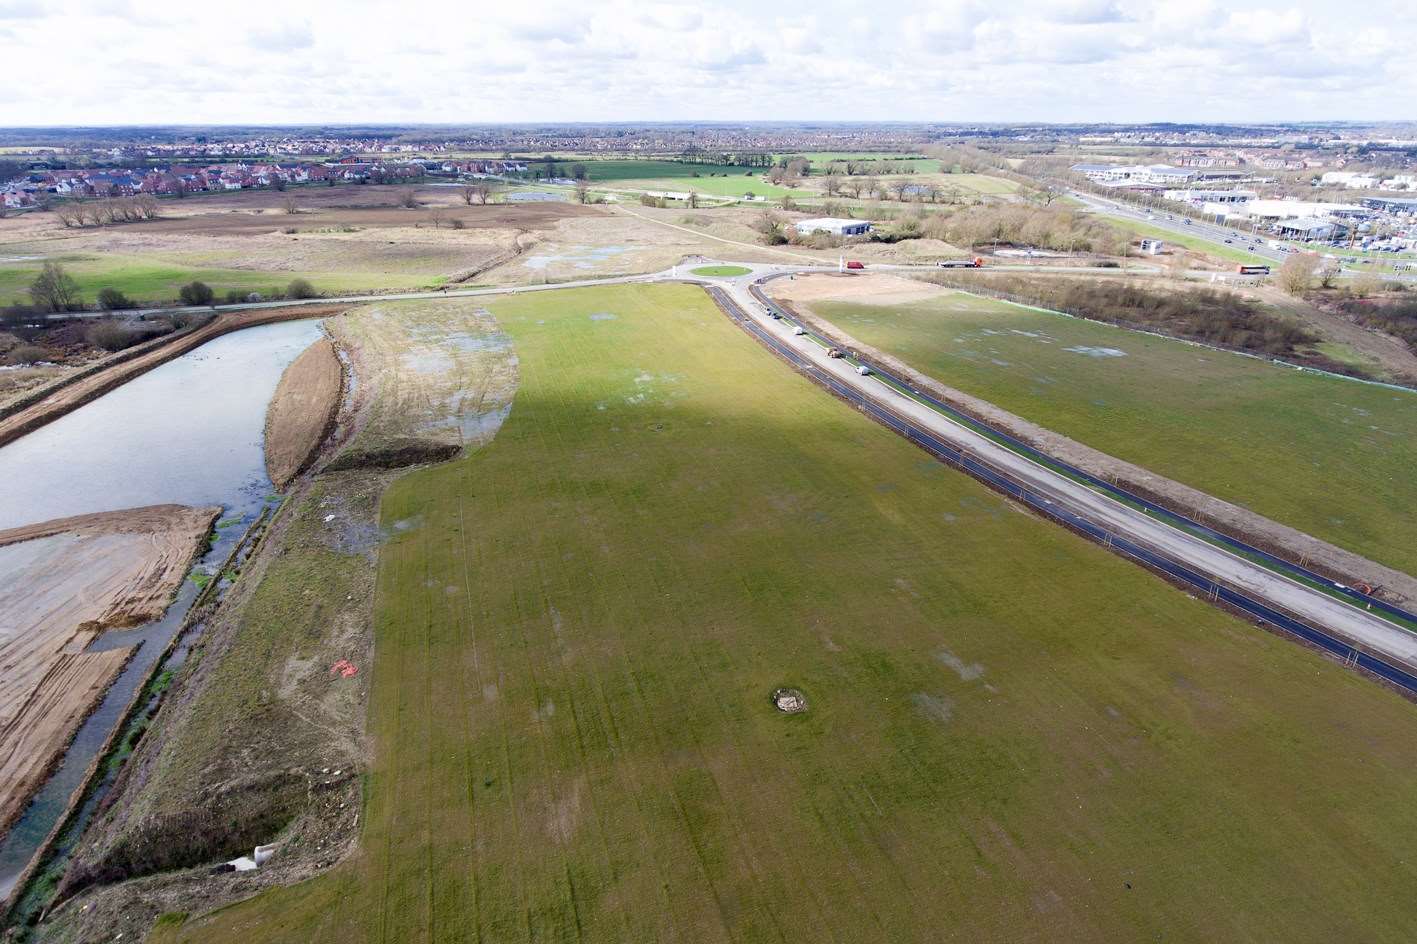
582, 192
288, 204
832, 185
435, 216
1297, 272
870, 186
898, 187
693, 200
407, 198
69, 215
54, 290
468, 194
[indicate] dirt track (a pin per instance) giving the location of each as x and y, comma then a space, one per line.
302, 411
70, 397
62, 583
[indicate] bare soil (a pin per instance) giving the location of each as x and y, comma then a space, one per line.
1233, 519
65, 582
878, 288
302, 411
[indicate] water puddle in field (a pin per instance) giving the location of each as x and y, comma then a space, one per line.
579, 257
1096, 351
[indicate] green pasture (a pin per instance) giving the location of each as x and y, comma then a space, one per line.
1328, 456
1012, 734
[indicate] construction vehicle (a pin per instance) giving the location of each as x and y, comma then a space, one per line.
833, 352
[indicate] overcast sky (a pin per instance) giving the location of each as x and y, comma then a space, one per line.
236, 61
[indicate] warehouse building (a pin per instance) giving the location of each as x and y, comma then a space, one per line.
833, 227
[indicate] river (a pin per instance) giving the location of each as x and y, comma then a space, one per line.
190, 432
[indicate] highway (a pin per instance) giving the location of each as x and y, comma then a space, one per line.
1223, 574
1240, 240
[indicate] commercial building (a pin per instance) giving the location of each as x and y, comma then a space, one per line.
833, 227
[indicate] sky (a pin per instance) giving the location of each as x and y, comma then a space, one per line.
112, 62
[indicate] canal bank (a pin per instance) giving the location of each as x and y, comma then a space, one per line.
189, 432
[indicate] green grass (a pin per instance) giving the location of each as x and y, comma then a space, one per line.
1013, 734
1327, 456
721, 270
732, 186
149, 281
1198, 243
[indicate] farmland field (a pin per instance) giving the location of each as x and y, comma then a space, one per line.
1330, 457
1011, 734
154, 280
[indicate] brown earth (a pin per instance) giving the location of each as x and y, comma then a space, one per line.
63, 583
877, 288
1237, 521
69, 393
302, 411
260, 211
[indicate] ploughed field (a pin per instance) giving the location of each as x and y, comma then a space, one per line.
1010, 733
1331, 457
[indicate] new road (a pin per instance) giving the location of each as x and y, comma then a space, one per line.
1339, 619
1223, 573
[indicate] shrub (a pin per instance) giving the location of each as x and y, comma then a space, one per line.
26, 354
234, 296
110, 299
196, 293
300, 288
111, 336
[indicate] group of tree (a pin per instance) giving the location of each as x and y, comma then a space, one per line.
144, 206
1055, 228
478, 193
866, 168
1202, 314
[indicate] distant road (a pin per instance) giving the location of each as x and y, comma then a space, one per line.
1240, 240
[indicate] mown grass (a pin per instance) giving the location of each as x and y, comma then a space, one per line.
153, 281
1199, 243
1328, 456
1013, 735
721, 270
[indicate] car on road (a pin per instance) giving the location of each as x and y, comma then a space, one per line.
1188, 222
862, 369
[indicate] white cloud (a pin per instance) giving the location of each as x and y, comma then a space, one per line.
971, 60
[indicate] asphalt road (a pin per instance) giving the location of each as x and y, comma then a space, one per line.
1352, 623
1379, 636
1241, 240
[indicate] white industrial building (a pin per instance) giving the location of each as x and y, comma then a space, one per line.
1201, 197
1157, 174
833, 227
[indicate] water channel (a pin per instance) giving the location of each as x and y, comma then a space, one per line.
189, 432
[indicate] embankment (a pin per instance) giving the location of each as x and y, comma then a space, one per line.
302, 411
75, 390
65, 582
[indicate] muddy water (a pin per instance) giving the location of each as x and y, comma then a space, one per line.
189, 432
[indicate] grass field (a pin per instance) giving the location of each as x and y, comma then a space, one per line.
722, 270
1199, 244
1328, 456
148, 280
1012, 734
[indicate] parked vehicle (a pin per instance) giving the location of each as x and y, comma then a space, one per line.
854, 264
974, 263
863, 370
